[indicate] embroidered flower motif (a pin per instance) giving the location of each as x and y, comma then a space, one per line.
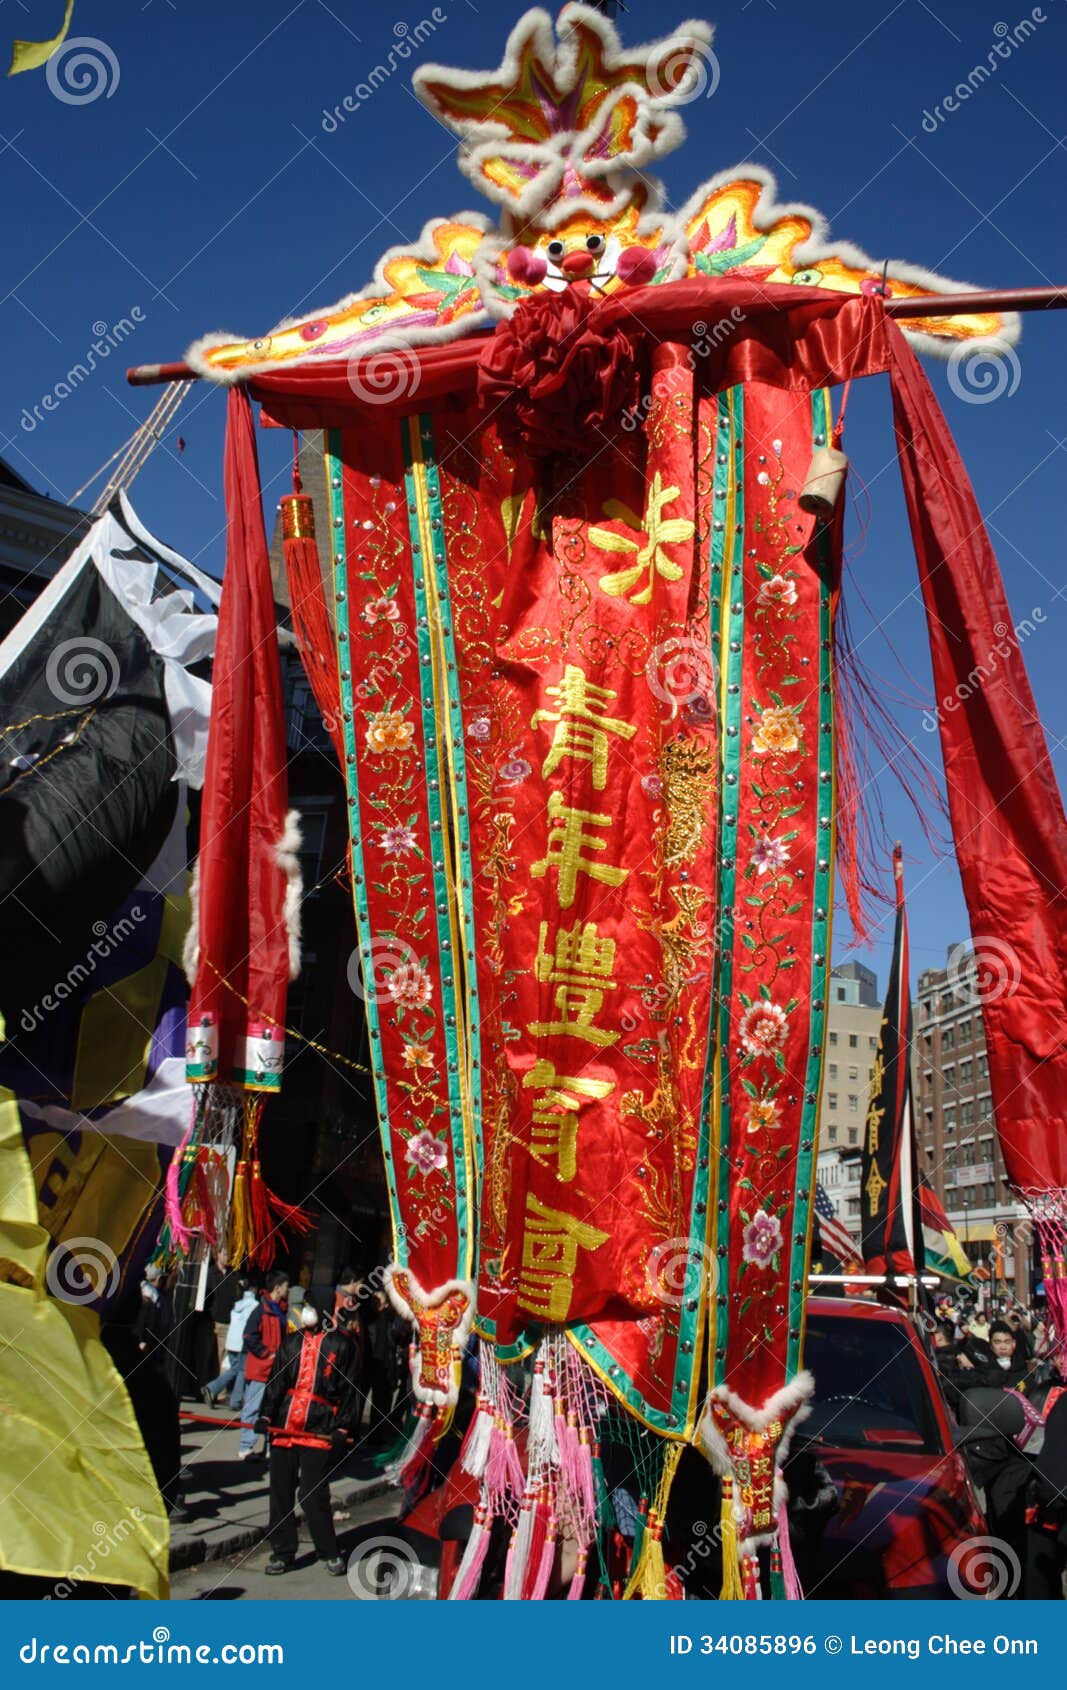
389, 731
398, 841
651, 560
514, 771
426, 1153
762, 1239
651, 786
380, 610
409, 985
418, 1056
699, 710
478, 728
769, 855
779, 590
763, 1028
775, 734
763, 1116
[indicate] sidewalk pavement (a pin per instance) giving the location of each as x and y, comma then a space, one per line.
227, 1499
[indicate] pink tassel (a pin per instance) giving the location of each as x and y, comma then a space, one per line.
513, 1475
578, 1581
415, 1458
538, 1534
179, 1232
470, 1568
546, 1563
790, 1576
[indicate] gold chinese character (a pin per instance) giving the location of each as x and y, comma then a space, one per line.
554, 1132
567, 840
580, 954
875, 1186
550, 1246
582, 728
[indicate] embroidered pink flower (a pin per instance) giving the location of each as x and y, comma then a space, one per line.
380, 610
410, 985
762, 1239
426, 1153
763, 1028
478, 728
651, 786
779, 590
769, 855
515, 771
389, 731
398, 841
418, 1056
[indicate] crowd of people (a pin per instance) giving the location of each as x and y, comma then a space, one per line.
999, 1373
312, 1373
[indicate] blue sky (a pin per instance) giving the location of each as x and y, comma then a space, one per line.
202, 192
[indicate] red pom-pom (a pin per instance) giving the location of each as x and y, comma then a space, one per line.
636, 266
526, 266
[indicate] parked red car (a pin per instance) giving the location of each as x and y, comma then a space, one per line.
880, 1427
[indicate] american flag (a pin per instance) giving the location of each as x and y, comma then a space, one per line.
835, 1238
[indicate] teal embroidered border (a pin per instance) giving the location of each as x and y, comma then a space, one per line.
820, 934
731, 630
339, 578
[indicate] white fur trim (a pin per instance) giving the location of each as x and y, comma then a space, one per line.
423, 251
431, 1300
792, 1402
287, 859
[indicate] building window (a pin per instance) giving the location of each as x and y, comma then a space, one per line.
832, 1135
985, 1108
853, 1073
853, 1205
967, 1114
833, 1038
967, 1154
872, 1043
948, 1038
950, 1155
840, 994
853, 1101
831, 1101
853, 1041
964, 1031
948, 1075
853, 1135
833, 1070
966, 1072
983, 1066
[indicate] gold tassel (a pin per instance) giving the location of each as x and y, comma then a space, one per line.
733, 1589
240, 1240
648, 1576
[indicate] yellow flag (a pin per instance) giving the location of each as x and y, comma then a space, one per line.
31, 55
80, 1503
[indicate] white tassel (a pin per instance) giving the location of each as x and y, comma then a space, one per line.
287, 858
191, 942
542, 1435
476, 1454
520, 1550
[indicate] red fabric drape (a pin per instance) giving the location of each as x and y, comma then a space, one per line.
242, 932
1007, 814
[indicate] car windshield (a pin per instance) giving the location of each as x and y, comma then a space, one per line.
870, 1391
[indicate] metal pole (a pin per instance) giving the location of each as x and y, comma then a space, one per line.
923, 305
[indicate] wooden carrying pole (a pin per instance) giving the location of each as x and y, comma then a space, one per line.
923, 305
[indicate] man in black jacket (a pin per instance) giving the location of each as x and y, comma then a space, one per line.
311, 1399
